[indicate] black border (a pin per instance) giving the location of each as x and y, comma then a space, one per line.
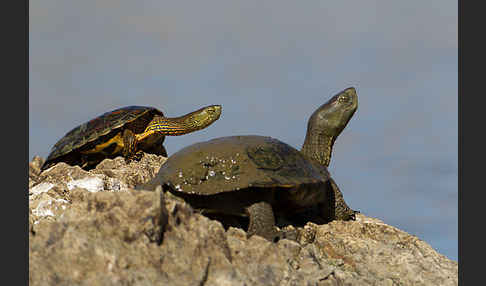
15, 132
471, 143
24, 7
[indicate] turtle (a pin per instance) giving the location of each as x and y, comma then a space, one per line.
128, 131
260, 177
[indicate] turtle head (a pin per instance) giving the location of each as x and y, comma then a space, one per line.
203, 117
326, 123
334, 115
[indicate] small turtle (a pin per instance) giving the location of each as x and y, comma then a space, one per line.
125, 131
261, 177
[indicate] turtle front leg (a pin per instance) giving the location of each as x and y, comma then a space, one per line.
337, 209
262, 221
157, 149
130, 146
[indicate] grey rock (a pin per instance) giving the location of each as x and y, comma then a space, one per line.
92, 228
101, 239
34, 170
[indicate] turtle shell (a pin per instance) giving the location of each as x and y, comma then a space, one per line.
100, 126
237, 162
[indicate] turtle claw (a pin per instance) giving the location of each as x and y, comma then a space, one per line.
273, 236
135, 157
138, 156
353, 215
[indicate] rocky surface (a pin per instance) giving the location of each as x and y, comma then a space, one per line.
93, 228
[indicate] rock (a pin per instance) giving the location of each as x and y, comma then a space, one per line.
133, 173
50, 191
101, 239
92, 228
34, 170
35, 165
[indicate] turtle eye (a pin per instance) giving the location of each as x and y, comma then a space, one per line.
343, 98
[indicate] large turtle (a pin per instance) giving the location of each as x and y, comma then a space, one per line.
125, 131
260, 177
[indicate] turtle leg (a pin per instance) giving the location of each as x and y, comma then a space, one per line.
262, 221
337, 209
84, 162
157, 149
130, 144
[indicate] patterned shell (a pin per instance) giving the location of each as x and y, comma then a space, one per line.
237, 162
97, 127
